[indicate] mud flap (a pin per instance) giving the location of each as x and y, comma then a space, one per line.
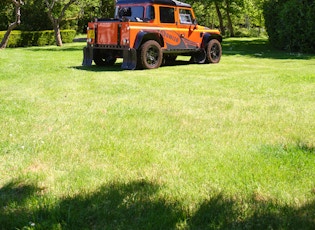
130, 59
87, 56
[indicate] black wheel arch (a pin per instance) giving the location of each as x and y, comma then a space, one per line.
208, 36
144, 36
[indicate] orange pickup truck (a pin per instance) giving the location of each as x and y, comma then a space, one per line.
148, 33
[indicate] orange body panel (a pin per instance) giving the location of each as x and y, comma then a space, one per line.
186, 36
107, 33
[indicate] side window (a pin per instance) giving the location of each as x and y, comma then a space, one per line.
136, 12
132, 13
167, 15
185, 16
149, 13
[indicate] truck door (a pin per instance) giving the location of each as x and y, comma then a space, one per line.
168, 28
188, 28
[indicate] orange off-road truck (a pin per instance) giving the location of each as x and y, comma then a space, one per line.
149, 33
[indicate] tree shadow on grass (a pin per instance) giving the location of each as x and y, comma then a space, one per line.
137, 205
13, 204
259, 48
119, 206
222, 212
114, 206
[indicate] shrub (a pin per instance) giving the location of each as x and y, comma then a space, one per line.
15, 39
36, 38
290, 24
68, 35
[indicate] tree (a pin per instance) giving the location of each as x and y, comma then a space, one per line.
6, 13
228, 15
90, 9
253, 10
107, 8
13, 25
290, 24
56, 13
35, 17
217, 8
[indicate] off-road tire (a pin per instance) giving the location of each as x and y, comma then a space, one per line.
214, 51
102, 59
151, 55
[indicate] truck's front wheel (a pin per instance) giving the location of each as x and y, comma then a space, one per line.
151, 55
214, 51
103, 59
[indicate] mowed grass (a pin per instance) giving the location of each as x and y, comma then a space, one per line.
226, 146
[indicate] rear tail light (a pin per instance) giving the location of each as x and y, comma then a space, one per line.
90, 35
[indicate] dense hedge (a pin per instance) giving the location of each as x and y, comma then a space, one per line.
37, 38
290, 24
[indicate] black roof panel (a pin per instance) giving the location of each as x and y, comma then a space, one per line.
163, 2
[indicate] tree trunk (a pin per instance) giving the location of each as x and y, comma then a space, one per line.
13, 25
220, 17
230, 26
6, 37
56, 26
56, 21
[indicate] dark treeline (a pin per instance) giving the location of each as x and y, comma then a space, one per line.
289, 23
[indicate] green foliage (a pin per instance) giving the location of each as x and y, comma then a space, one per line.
15, 38
6, 14
291, 24
249, 32
68, 35
37, 38
246, 16
94, 9
34, 16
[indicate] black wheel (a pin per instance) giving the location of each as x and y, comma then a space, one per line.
151, 55
199, 57
214, 51
102, 58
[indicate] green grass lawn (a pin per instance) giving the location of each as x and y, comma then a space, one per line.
225, 146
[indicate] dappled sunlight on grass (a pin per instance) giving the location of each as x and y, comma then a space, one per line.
184, 146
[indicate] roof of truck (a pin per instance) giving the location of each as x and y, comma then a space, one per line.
162, 2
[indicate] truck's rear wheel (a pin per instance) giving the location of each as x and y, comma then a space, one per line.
103, 59
214, 51
151, 55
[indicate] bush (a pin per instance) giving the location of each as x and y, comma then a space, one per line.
68, 35
37, 38
290, 24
